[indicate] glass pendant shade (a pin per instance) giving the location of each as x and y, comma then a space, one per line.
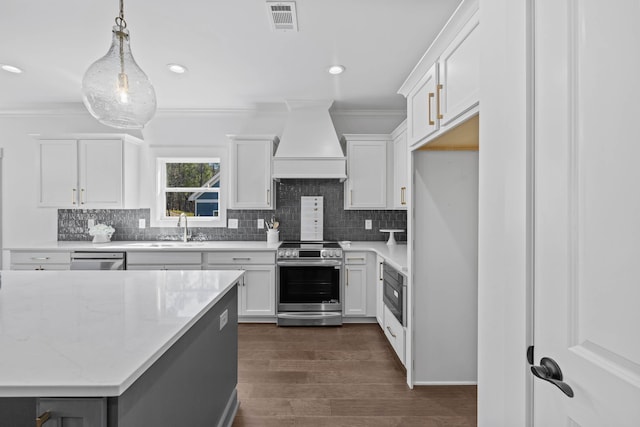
115, 90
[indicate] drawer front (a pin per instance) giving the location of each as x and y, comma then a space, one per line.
52, 267
40, 257
241, 257
394, 332
355, 258
154, 267
174, 257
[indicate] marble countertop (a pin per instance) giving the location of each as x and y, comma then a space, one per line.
394, 255
160, 245
88, 333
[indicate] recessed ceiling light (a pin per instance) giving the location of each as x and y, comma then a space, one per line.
11, 69
177, 68
336, 69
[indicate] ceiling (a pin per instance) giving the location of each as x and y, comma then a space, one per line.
234, 58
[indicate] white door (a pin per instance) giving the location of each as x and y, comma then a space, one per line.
587, 210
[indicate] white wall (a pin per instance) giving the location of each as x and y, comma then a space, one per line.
168, 134
503, 374
445, 267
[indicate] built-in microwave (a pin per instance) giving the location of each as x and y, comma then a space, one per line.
394, 293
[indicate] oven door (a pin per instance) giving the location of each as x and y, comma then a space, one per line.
393, 295
309, 286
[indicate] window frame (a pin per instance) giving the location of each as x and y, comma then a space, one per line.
161, 190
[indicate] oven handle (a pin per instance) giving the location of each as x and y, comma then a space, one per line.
323, 263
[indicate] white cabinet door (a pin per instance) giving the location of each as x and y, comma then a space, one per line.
379, 291
89, 173
58, 173
400, 169
586, 214
459, 74
101, 173
366, 185
251, 183
355, 290
422, 120
258, 291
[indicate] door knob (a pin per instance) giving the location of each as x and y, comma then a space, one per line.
549, 370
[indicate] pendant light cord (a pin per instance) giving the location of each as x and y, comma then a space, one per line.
120, 22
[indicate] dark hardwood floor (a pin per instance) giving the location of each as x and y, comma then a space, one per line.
336, 376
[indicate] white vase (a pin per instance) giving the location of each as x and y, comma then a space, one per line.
102, 238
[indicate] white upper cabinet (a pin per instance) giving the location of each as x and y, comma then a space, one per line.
443, 89
89, 172
421, 105
400, 167
251, 186
58, 173
459, 73
367, 158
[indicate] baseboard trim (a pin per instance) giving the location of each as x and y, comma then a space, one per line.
230, 411
419, 383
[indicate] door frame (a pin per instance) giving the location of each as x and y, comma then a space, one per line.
506, 198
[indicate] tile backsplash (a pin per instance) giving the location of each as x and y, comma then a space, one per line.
339, 224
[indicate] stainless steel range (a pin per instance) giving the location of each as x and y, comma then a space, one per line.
309, 284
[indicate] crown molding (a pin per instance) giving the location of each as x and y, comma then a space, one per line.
57, 110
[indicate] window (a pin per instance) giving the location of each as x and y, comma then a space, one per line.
190, 186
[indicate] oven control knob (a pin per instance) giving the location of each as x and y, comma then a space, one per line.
280, 254
287, 254
332, 253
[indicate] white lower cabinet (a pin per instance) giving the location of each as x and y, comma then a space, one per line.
394, 333
30, 260
257, 289
359, 285
355, 290
379, 291
171, 260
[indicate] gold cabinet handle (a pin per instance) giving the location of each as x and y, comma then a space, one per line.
402, 191
431, 122
268, 197
73, 196
439, 113
43, 418
82, 196
347, 277
391, 332
39, 258
350, 197
381, 269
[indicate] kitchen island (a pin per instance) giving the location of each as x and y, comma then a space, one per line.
119, 348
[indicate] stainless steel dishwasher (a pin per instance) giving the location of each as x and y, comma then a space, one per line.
90, 260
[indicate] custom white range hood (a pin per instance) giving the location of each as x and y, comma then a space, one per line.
309, 147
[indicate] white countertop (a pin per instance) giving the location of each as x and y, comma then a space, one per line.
160, 245
394, 255
86, 333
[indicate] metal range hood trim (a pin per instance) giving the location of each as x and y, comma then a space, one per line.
309, 147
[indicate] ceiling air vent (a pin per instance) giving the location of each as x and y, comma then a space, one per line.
282, 15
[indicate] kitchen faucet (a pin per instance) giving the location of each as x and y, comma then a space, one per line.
185, 234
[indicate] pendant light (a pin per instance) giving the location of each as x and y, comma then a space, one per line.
115, 90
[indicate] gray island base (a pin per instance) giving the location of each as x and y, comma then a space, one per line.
193, 382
